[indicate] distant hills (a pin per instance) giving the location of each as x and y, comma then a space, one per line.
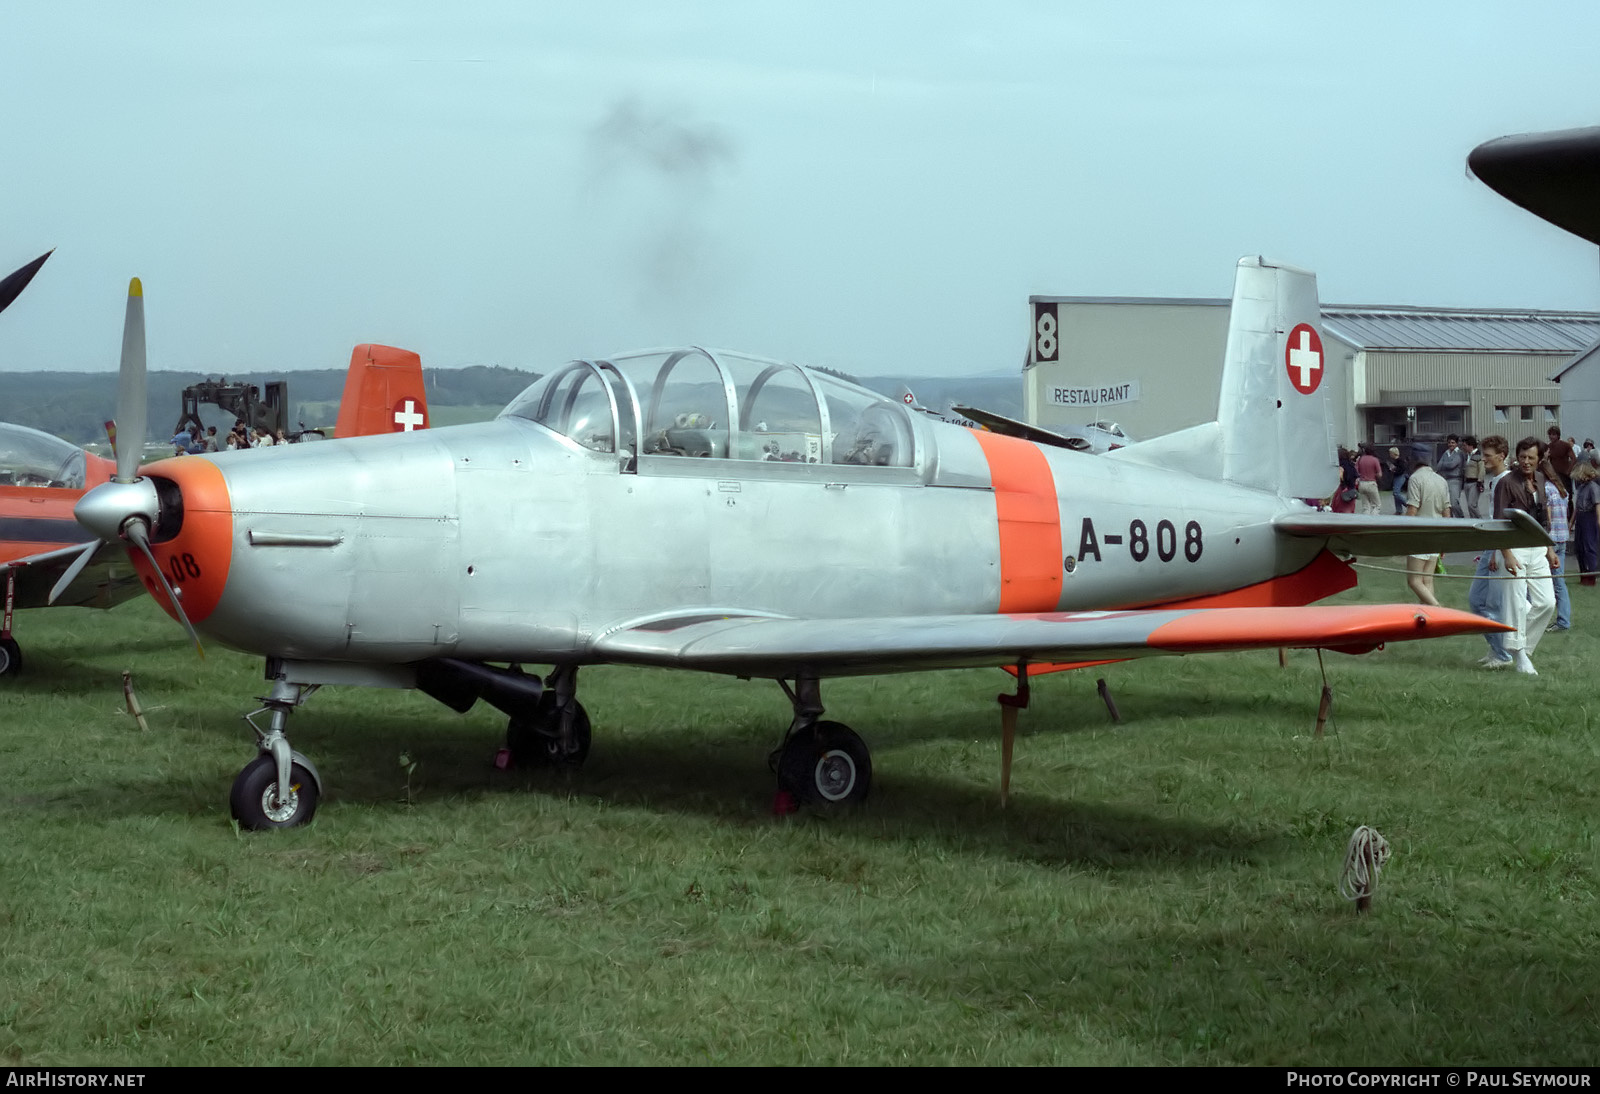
74, 405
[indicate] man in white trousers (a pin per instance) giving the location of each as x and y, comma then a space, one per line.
1530, 600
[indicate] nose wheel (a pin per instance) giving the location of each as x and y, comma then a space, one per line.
258, 803
10, 657
279, 788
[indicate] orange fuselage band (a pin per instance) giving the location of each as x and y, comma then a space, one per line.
1030, 523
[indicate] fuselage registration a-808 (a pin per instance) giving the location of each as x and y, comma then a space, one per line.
707, 510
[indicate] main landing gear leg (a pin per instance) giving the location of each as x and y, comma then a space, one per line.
555, 733
824, 763
279, 788
10, 652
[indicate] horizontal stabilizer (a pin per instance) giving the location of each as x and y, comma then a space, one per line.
1010, 427
1352, 534
767, 646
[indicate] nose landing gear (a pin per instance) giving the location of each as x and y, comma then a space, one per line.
279, 788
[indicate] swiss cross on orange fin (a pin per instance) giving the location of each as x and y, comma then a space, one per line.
383, 393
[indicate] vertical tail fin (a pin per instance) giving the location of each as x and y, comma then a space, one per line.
1276, 415
382, 393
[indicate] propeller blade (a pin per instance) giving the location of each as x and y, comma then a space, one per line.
13, 284
131, 409
136, 533
75, 569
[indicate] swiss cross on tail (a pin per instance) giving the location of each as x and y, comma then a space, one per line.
383, 393
409, 416
1303, 358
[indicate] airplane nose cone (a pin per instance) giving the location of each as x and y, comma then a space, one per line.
105, 509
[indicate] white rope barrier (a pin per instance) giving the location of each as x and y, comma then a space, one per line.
1499, 576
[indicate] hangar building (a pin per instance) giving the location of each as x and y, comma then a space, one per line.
1154, 365
1580, 390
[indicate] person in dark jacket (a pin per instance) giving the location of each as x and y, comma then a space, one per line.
1344, 495
1399, 473
1586, 519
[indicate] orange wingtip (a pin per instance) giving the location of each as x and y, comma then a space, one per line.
1331, 626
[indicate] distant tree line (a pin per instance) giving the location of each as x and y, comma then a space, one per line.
75, 405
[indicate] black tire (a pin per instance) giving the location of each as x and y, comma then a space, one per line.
536, 741
828, 766
10, 657
254, 797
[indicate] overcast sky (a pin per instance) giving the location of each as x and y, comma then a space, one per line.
878, 187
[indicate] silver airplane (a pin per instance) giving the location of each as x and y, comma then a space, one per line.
954, 417
1101, 436
704, 510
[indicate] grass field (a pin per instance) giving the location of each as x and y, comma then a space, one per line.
1160, 891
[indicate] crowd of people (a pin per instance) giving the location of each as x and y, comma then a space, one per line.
190, 442
1555, 481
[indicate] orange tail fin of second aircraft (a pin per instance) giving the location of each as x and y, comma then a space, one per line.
383, 393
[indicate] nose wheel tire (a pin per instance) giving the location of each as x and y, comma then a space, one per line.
535, 741
256, 803
829, 765
10, 657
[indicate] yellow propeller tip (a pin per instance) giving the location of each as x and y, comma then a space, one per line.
134, 288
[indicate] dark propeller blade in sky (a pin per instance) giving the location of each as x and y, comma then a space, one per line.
1552, 175
15, 282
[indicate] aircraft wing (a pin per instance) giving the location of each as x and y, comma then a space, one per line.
776, 647
106, 581
1352, 534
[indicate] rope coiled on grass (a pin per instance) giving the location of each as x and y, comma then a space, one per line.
1363, 858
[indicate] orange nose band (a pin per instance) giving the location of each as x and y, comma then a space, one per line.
195, 560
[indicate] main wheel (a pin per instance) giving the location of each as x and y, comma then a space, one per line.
10, 657
536, 741
255, 801
830, 765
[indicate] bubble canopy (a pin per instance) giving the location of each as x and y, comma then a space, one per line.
720, 405
30, 457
